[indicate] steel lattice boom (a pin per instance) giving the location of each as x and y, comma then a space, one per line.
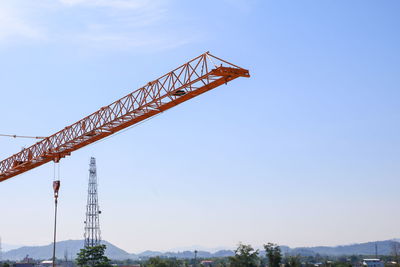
193, 78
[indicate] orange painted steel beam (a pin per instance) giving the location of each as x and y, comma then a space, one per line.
193, 78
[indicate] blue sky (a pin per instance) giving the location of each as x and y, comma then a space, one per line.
305, 152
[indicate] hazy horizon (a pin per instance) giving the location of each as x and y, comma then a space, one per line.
194, 247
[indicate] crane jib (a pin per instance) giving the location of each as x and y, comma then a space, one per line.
191, 79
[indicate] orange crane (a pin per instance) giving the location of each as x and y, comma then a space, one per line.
191, 79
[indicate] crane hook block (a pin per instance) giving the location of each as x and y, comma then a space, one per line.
56, 187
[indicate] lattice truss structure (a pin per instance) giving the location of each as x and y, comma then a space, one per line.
92, 234
193, 78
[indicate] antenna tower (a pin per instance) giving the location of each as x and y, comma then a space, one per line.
92, 225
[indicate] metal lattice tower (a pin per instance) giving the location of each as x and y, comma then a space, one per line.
92, 225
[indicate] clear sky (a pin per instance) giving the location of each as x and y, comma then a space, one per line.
305, 152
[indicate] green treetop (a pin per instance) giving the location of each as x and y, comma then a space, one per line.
93, 257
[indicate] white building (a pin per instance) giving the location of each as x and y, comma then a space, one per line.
373, 263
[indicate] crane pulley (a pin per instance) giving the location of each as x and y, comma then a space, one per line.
191, 79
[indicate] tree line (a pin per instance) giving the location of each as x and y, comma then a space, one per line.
244, 256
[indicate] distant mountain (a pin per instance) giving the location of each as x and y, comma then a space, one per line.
224, 253
149, 254
200, 248
384, 248
72, 247
185, 254
67, 248
6, 247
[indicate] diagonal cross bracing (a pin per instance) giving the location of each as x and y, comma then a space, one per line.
191, 79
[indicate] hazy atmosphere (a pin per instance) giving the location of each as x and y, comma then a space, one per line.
305, 152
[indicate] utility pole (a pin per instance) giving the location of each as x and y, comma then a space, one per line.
376, 250
1, 252
56, 187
